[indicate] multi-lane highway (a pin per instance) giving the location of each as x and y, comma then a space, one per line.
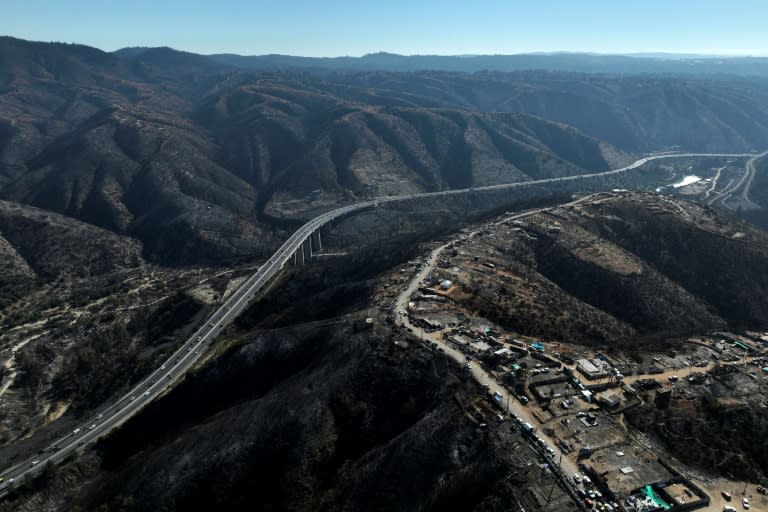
190, 352
744, 183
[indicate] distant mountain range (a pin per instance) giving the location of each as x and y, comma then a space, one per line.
572, 62
202, 160
658, 63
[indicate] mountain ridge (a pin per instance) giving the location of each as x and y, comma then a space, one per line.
554, 61
196, 160
201, 161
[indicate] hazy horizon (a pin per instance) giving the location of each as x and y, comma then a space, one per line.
339, 28
636, 54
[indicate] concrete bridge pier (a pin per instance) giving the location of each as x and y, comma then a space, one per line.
317, 242
304, 252
298, 256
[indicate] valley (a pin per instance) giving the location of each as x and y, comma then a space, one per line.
229, 281
553, 227
298, 247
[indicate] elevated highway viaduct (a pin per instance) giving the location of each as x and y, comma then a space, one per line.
298, 248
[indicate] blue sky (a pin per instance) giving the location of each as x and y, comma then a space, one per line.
341, 27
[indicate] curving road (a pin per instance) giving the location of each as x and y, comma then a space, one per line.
521, 413
190, 352
744, 183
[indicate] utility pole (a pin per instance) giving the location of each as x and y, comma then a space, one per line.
554, 481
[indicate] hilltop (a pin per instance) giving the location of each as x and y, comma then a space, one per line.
202, 161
